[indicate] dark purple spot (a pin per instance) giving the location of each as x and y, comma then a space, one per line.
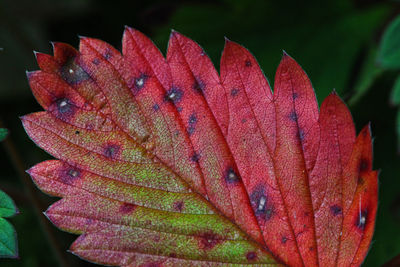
173, 95
251, 256
65, 108
311, 248
127, 208
179, 205
336, 210
293, 116
172, 255
294, 96
195, 157
96, 61
361, 219
231, 176
77, 132
364, 165
234, 92
192, 124
69, 174
139, 82
64, 105
247, 63
284, 240
261, 204
108, 54
209, 240
243, 120
301, 134
198, 86
190, 130
156, 107
72, 73
89, 221
111, 151
179, 109
192, 118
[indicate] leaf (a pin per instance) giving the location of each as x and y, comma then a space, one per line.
8, 237
395, 96
165, 162
3, 134
369, 72
389, 55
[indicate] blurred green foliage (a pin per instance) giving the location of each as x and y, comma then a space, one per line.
336, 42
3, 133
8, 237
389, 59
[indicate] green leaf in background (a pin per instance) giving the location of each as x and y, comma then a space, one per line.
3, 134
8, 236
342, 29
398, 130
389, 51
395, 97
369, 72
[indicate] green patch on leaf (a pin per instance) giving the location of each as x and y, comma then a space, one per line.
389, 52
8, 236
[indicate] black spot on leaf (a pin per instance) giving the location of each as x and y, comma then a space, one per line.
262, 206
361, 219
198, 86
127, 208
251, 256
111, 151
301, 134
72, 73
231, 176
64, 106
195, 157
293, 116
192, 118
209, 240
178, 206
108, 54
190, 130
139, 82
247, 63
173, 95
234, 91
69, 174
192, 123
96, 61
156, 107
336, 210
364, 165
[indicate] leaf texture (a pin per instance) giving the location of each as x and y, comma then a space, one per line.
163, 161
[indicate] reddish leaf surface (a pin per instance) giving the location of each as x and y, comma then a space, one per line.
163, 161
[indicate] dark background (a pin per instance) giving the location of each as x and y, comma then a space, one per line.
335, 43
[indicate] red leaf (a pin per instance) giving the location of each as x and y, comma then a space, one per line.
165, 162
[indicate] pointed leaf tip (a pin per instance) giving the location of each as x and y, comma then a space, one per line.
227, 40
29, 73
